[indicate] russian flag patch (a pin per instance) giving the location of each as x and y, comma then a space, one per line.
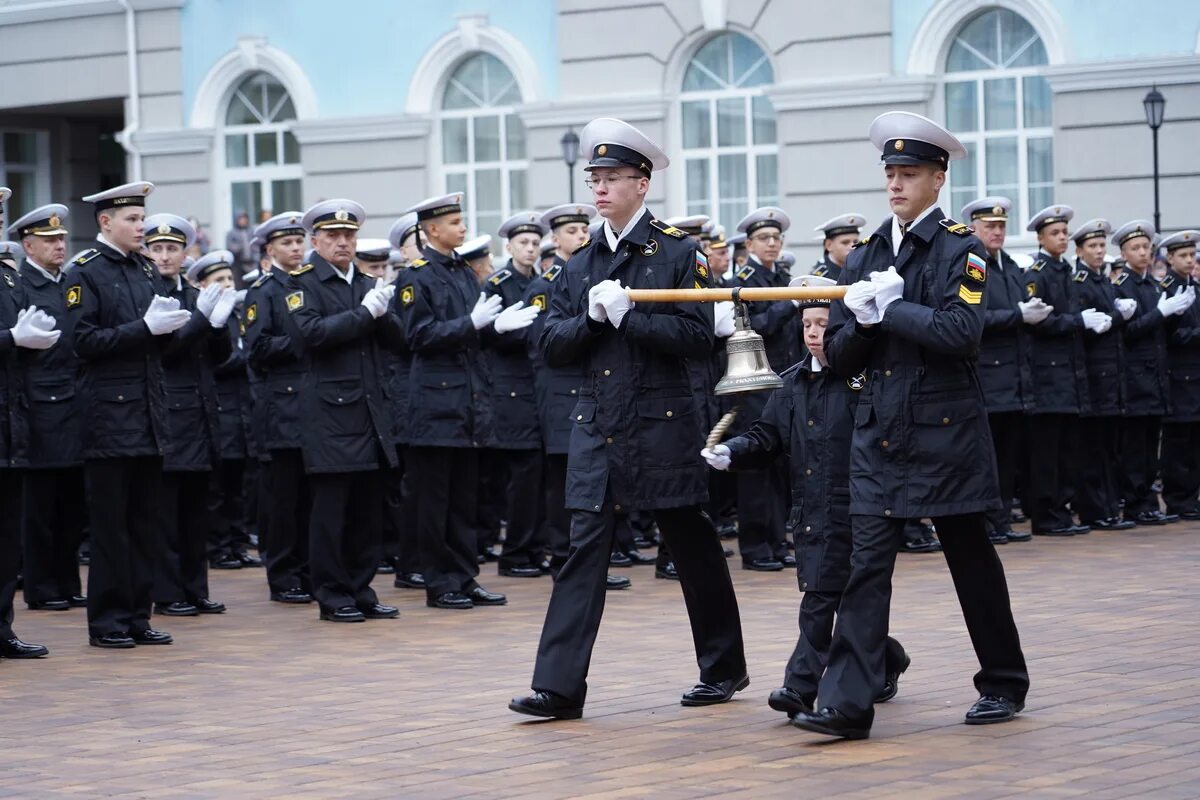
976, 268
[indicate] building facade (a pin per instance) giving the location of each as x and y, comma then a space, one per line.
253, 105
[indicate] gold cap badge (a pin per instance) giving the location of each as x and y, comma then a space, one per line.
602, 149
341, 215
899, 145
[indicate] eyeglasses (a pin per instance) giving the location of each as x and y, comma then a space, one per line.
592, 183
767, 238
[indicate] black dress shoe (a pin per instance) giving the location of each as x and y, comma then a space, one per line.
619, 559
151, 636
1109, 524
296, 595
762, 564
206, 606
727, 530
789, 560
614, 582
248, 560
112, 641
546, 705
453, 600
728, 552
1154, 518
49, 605
490, 555
77, 601
379, 611
343, 614
482, 597
1081, 529
13, 647
789, 701
831, 722
1066, 530
409, 580
990, 709
638, 557
1018, 517
998, 537
1190, 514
922, 546
891, 682
176, 609
642, 543
385, 568
228, 561
520, 571
667, 572
1019, 536
710, 694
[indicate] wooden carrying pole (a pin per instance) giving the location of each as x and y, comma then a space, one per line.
748, 294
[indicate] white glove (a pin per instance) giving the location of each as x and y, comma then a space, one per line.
486, 310
723, 319
717, 457
1181, 302
223, 308
1096, 321
616, 303
377, 298
860, 300
163, 303
1034, 311
516, 317
239, 296
595, 307
29, 332
1126, 305
889, 287
164, 319
207, 300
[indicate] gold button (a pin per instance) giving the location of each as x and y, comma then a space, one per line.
670, 414
887, 373
945, 420
609, 440
607, 372
884, 444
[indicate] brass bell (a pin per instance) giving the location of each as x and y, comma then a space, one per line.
748, 369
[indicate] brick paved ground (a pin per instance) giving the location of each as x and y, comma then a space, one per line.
267, 702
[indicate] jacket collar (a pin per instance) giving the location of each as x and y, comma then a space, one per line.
327, 271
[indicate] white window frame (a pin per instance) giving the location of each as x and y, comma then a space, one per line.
40, 169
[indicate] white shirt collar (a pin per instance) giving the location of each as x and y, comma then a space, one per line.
816, 365
348, 277
100, 238
896, 235
38, 267
756, 260
612, 238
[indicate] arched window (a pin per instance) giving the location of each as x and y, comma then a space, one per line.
483, 142
262, 156
998, 103
731, 158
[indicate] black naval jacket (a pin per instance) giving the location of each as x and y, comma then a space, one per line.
777, 321
1145, 341
1059, 369
279, 364
14, 424
810, 419
48, 376
1183, 355
449, 379
233, 397
921, 445
1103, 354
1005, 360
121, 377
825, 268
513, 398
348, 414
637, 435
557, 388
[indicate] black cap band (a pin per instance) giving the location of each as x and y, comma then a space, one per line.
281, 232
1050, 221
374, 258
567, 219
1133, 234
336, 219
841, 229
440, 211
615, 155
519, 229
912, 151
1099, 233
166, 233
210, 269
763, 223
120, 202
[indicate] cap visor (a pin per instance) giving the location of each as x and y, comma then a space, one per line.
901, 159
607, 163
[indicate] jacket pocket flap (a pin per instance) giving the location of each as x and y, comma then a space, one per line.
339, 394
946, 413
443, 380
584, 412
665, 408
119, 394
51, 392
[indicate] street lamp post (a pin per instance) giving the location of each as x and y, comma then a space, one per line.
570, 154
1155, 104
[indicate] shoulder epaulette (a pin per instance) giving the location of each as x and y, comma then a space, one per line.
745, 272
861, 242
500, 277
1167, 282
1080, 276
86, 257
301, 270
955, 227
418, 263
820, 271
1038, 266
669, 230
586, 242
266, 276
552, 273
1124, 276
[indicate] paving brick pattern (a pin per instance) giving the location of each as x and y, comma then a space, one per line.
267, 702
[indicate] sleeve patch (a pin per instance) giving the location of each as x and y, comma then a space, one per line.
701, 265
539, 300
295, 300
1031, 289
976, 268
969, 297
251, 313
74, 296
407, 296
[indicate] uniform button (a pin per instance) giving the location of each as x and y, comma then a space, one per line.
574, 391
289, 388
884, 444
120, 397
996, 362
443, 383
670, 413
811, 423
595, 508
607, 372
617, 507
1054, 363
808, 528
609, 440
887, 512
887, 373
808, 472
512, 394
340, 400
945, 420
579, 418
52, 397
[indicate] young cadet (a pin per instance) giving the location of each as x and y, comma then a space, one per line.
1181, 427
1096, 495
403, 236
637, 434
1146, 389
911, 322
838, 237
808, 421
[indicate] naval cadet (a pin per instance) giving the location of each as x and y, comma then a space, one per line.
477, 254
371, 258
403, 236
910, 323
838, 237
1181, 427
637, 433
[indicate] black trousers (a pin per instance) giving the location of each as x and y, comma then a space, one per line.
1009, 429
123, 497
444, 482
1139, 464
811, 654
53, 517
1180, 466
228, 532
1096, 493
855, 672
345, 537
577, 601
762, 502
556, 521
1052, 461
490, 501
262, 503
10, 546
290, 501
399, 530
523, 509
181, 566
722, 497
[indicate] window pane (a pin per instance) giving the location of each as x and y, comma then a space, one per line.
1037, 101
247, 198
514, 130
487, 138
456, 182
1001, 166
239, 112
470, 76
276, 98
487, 192
291, 149
961, 59
236, 151
749, 66
961, 113
709, 68
764, 120
1040, 159
980, 37
19, 148
516, 189
731, 121
456, 97
285, 195
1000, 104
732, 187
962, 181
697, 186
454, 141
696, 128
266, 149
24, 193
1019, 44
768, 180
